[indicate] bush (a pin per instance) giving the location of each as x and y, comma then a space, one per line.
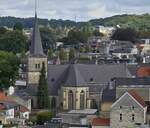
43, 117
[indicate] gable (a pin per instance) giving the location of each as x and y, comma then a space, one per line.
126, 100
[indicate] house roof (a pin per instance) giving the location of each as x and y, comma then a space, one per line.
137, 97
143, 71
74, 77
100, 122
23, 109
4, 97
109, 95
83, 74
138, 81
36, 44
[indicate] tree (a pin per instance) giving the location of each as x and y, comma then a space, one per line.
97, 33
9, 65
2, 31
62, 54
42, 94
50, 53
43, 117
71, 54
13, 41
127, 34
48, 39
18, 26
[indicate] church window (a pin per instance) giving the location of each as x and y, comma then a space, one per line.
70, 100
82, 100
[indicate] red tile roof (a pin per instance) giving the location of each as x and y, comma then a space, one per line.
23, 109
137, 97
143, 72
100, 122
4, 97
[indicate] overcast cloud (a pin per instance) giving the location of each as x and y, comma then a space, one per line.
69, 9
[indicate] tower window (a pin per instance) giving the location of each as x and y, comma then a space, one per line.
38, 65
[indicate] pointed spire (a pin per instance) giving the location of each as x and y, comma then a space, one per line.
36, 44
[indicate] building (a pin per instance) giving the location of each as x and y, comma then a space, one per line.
128, 111
36, 57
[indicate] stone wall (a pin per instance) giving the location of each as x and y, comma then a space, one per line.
34, 68
126, 106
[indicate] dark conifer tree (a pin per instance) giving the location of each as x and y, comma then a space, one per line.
43, 101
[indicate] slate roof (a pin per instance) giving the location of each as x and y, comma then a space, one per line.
36, 44
109, 95
83, 74
138, 81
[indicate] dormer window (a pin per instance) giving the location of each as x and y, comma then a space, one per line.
52, 80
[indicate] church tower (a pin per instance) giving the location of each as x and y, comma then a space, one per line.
36, 56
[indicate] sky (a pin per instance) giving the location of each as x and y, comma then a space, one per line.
81, 10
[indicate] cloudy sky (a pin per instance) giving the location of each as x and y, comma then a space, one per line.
69, 9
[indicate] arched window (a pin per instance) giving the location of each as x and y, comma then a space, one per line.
82, 100
70, 100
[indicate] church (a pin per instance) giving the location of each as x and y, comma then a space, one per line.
71, 86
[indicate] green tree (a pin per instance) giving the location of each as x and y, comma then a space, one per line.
18, 26
48, 39
43, 117
13, 41
97, 33
62, 54
2, 31
50, 53
127, 34
42, 94
71, 54
9, 65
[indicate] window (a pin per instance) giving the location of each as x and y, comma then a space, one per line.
52, 80
120, 117
133, 117
132, 107
70, 100
91, 79
120, 107
38, 65
82, 99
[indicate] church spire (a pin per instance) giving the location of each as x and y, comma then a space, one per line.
36, 44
